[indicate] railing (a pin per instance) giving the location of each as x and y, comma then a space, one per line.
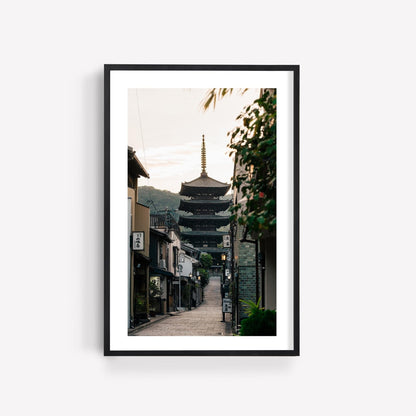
164, 220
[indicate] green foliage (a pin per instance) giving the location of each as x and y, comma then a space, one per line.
204, 277
141, 306
155, 292
161, 199
206, 260
251, 307
154, 289
254, 146
263, 323
215, 94
259, 322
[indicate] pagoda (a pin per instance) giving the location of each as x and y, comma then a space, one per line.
204, 203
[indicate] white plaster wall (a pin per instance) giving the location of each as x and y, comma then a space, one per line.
175, 243
357, 206
187, 266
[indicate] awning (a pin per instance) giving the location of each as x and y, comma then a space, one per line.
156, 270
140, 257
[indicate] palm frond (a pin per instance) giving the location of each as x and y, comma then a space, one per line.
215, 94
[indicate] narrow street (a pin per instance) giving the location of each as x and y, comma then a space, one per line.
204, 320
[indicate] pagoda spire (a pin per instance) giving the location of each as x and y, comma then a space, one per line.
203, 157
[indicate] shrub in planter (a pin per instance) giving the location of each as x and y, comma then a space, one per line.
259, 321
155, 293
140, 312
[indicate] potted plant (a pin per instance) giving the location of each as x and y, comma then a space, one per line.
260, 321
140, 312
155, 293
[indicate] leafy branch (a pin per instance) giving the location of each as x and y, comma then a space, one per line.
254, 145
215, 94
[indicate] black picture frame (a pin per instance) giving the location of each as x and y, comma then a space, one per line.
113, 68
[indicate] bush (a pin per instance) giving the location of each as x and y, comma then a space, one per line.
206, 260
259, 321
262, 322
155, 292
204, 277
140, 303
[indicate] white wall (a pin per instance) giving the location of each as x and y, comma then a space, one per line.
187, 265
358, 206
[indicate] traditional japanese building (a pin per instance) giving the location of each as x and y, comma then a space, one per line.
138, 243
204, 201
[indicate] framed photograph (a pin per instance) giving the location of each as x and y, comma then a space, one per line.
201, 255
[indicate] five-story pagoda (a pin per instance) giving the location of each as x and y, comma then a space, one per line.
204, 203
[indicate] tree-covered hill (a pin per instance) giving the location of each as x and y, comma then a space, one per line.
157, 199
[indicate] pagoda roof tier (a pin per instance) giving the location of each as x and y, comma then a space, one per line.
204, 185
213, 250
192, 220
204, 233
215, 205
199, 238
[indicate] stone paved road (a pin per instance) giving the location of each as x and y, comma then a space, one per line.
204, 320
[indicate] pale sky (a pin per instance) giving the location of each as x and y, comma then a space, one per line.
166, 128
